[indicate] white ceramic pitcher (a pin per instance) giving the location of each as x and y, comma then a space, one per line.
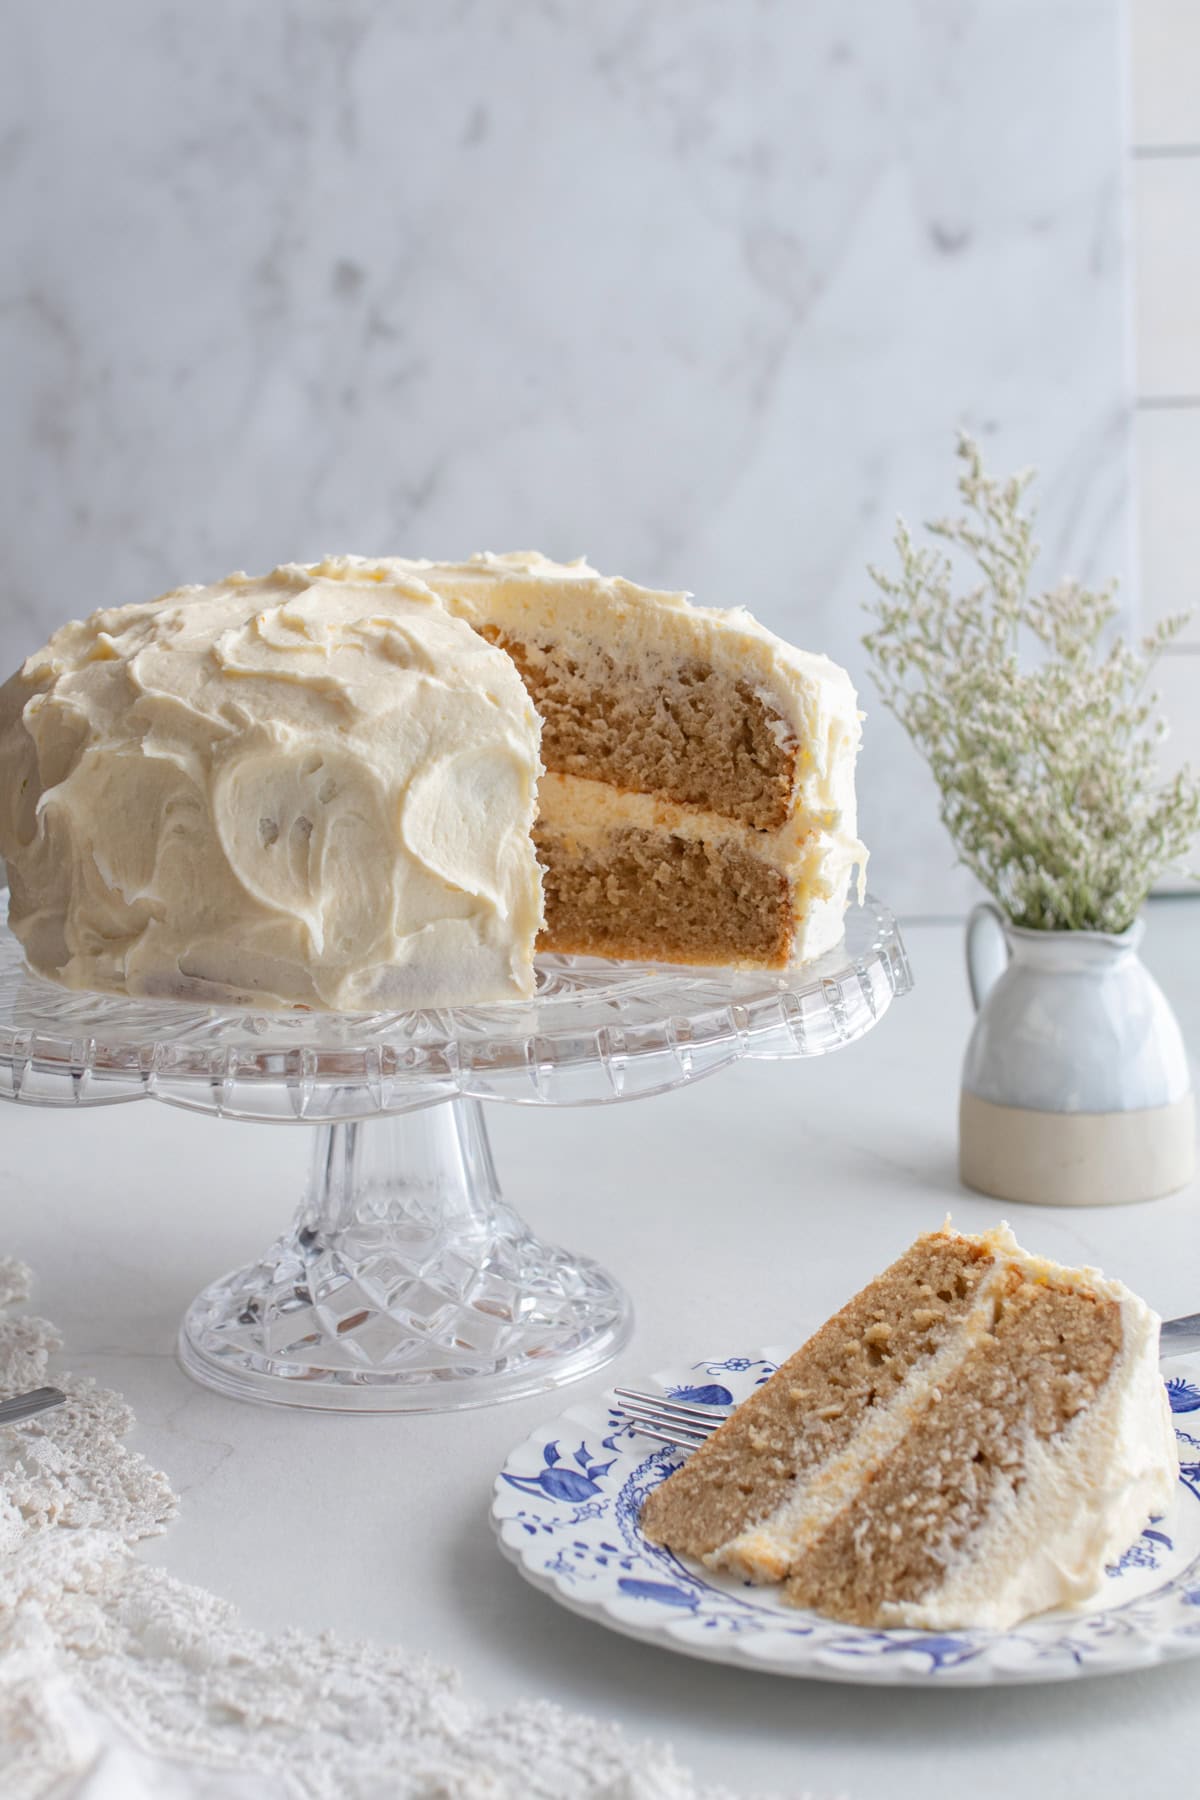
1075, 1087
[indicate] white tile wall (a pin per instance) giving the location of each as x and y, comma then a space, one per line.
1166, 213
1166, 58
1168, 461
1165, 86
1177, 682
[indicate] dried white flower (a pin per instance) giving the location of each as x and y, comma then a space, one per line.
1047, 763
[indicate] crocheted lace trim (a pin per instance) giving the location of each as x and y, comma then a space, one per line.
98, 1649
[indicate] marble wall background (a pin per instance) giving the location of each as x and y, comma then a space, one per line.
700, 290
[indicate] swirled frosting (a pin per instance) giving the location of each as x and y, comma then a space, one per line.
312, 788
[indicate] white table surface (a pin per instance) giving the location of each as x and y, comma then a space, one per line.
739, 1212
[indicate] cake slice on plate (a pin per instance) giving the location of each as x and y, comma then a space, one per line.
972, 1439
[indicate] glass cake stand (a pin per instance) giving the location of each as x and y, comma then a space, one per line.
406, 1283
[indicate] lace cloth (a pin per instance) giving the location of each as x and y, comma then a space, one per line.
118, 1682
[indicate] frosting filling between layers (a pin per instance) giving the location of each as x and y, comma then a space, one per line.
768, 1551
810, 1411
1057, 1508
1081, 1501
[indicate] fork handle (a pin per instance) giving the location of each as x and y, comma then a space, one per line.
1180, 1336
25, 1406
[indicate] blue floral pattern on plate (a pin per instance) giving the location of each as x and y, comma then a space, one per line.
566, 1511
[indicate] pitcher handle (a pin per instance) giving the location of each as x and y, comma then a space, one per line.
987, 950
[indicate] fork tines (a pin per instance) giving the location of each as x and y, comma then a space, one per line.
668, 1421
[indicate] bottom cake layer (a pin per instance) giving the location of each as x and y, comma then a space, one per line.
631, 876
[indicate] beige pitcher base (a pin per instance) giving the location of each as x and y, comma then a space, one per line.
1075, 1159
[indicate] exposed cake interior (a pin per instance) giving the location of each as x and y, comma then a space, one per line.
969, 1440
745, 747
1047, 1354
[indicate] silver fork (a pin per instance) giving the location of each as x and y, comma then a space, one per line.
667, 1421
671, 1422
25, 1406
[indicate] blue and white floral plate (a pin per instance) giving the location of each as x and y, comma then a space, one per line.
566, 1511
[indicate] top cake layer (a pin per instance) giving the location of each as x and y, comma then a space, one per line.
775, 730
312, 788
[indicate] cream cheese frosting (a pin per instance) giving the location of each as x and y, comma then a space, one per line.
524, 595
313, 788
1046, 1539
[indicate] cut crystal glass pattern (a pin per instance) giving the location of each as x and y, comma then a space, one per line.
406, 1283
594, 1031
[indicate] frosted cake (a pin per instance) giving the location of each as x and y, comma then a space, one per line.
359, 785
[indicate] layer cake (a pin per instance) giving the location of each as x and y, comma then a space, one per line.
357, 785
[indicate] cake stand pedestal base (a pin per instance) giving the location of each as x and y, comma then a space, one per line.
405, 1285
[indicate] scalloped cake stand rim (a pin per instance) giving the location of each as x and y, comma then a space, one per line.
512, 1052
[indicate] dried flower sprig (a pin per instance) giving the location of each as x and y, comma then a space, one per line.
1042, 741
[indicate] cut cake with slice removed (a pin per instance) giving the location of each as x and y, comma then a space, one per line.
323, 787
972, 1439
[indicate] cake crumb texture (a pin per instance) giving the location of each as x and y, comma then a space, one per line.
811, 1408
692, 733
1049, 1352
638, 894
971, 1440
